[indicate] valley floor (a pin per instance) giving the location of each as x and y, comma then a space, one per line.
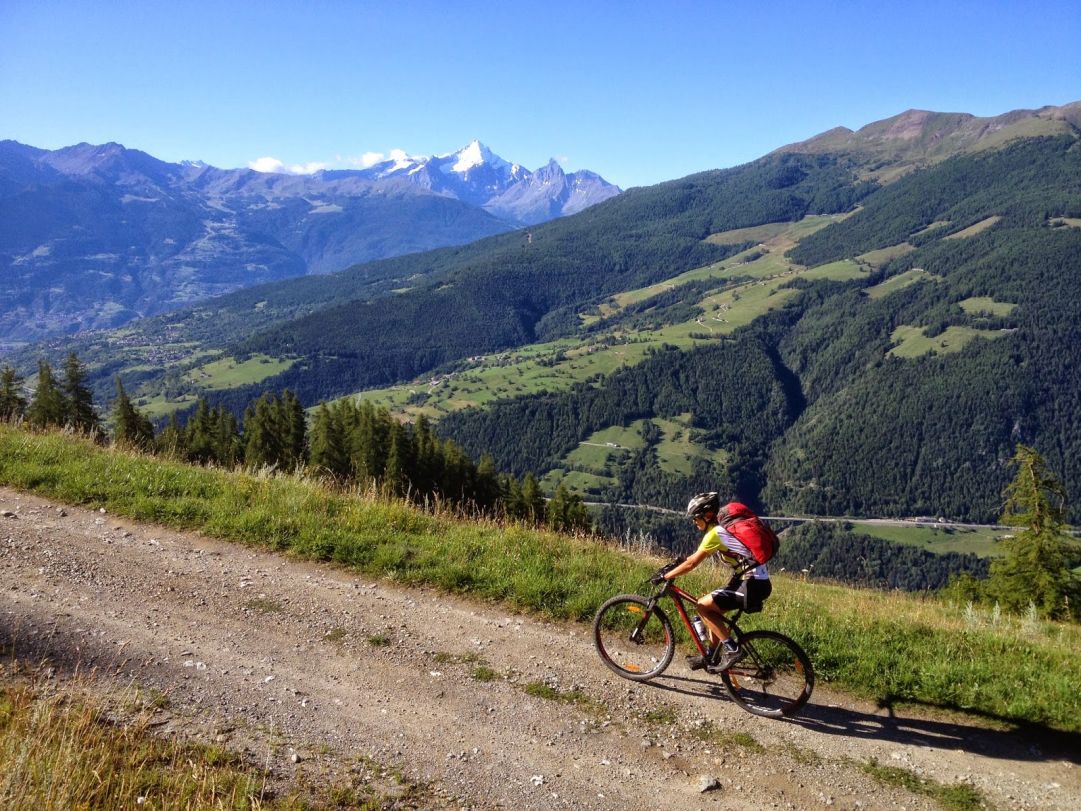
482, 707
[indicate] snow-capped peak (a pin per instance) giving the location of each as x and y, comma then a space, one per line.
475, 154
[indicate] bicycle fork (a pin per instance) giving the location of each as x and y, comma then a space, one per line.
636, 633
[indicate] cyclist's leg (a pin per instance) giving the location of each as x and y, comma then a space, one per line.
712, 608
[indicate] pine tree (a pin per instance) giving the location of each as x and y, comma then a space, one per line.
532, 500
198, 438
395, 477
130, 427
81, 414
295, 439
1036, 568
263, 434
329, 453
225, 433
47, 406
12, 402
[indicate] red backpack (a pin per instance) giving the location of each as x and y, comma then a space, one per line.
750, 530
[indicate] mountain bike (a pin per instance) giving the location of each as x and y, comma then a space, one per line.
635, 639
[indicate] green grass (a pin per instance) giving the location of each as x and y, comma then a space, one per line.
879, 645
589, 467
982, 542
912, 342
952, 797
573, 697
215, 375
985, 305
745, 289
977, 228
878, 258
899, 282
843, 270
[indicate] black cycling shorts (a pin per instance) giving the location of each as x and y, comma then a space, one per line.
747, 594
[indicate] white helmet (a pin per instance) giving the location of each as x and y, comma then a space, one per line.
703, 504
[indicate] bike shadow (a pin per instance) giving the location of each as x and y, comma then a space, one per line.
893, 721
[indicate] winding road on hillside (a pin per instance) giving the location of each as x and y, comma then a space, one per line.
309, 668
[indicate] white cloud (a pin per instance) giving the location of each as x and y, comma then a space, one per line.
369, 159
267, 165
309, 168
365, 161
277, 167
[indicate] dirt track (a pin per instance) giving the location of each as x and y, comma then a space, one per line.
278, 657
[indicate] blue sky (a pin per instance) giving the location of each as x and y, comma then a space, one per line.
638, 91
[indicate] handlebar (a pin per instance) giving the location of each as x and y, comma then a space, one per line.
659, 574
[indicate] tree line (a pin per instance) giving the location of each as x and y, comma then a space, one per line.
355, 444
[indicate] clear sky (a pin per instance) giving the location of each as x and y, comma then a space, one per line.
638, 91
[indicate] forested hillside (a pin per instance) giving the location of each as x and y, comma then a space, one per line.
908, 386
810, 341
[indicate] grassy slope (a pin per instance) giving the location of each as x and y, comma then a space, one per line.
880, 645
982, 542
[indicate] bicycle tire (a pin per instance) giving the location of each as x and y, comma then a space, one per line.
774, 679
642, 656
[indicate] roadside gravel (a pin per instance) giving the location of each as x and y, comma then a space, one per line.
314, 670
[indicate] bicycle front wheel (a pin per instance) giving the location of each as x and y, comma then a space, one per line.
774, 679
633, 640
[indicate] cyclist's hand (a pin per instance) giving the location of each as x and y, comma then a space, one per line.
657, 579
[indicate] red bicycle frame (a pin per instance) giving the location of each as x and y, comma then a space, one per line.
678, 595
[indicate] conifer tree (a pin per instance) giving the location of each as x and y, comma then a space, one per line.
47, 406
295, 426
510, 491
226, 442
12, 401
264, 442
198, 437
329, 453
396, 475
81, 414
130, 426
533, 507
1037, 565
566, 512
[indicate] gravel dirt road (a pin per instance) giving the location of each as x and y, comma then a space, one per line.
310, 668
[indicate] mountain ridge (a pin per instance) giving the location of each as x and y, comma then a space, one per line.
94, 235
920, 137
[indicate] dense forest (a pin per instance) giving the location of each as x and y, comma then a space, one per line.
864, 431
739, 397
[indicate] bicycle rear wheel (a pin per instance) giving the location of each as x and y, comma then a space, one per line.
774, 679
632, 640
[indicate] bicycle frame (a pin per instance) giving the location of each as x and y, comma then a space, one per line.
678, 596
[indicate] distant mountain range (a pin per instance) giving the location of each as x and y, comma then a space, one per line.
92, 236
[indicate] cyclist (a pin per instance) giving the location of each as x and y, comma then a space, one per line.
747, 589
